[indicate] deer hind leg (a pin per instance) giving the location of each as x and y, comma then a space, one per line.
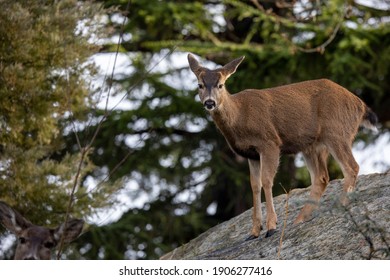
316, 160
269, 163
255, 180
342, 152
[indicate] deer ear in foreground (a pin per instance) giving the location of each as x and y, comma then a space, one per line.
317, 118
36, 242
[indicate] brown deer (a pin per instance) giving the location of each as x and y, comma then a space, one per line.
314, 117
36, 242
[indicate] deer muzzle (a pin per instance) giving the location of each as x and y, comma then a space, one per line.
209, 104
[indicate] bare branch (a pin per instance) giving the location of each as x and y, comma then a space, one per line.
321, 48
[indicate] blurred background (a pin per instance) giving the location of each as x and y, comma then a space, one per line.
98, 105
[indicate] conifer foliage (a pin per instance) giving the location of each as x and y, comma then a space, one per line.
45, 48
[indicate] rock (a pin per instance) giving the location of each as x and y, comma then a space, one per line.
359, 230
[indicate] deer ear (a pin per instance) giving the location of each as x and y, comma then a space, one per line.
231, 67
194, 65
70, 231
12, 220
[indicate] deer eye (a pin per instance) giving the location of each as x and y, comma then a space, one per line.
22, 240
220, 86
48, 245
200, 86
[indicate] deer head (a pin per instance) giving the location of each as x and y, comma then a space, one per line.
211, 83
36, 242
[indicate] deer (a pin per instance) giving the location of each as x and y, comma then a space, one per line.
37, 242
314, 117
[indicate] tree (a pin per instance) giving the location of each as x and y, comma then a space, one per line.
44, 95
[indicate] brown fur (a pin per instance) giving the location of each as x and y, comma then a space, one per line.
315, 117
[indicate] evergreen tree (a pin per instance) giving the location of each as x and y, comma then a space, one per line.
45, 48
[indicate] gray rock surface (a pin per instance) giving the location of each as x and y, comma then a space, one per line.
360, 230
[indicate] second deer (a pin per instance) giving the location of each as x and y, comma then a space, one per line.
36, 242
315, 117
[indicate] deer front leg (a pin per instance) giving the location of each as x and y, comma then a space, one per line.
255, 179
269, 163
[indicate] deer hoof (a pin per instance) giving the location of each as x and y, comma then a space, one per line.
270, 233
251, 237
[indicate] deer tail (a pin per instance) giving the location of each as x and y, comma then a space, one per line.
370, 120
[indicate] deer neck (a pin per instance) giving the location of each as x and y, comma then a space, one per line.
225, 116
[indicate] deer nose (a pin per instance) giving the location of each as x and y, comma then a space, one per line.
209, 104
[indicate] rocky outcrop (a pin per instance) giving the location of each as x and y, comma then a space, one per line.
360, 230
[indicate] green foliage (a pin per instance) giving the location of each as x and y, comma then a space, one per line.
44, 52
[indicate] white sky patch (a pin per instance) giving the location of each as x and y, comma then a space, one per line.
216, 12
6, 243
375, 157
376, 4
212, 208
125, 202
108, 65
